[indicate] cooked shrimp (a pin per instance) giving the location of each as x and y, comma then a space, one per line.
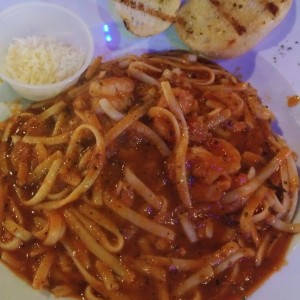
186, 100
217, 158
119, 91
163, 125
230, 99
210, 192
211, 167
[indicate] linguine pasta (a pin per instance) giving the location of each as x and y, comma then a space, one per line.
155, 177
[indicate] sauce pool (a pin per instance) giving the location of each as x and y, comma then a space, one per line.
293, 100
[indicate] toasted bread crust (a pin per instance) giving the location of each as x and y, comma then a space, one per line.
146, 18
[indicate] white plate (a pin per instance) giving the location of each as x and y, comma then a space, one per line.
273, 68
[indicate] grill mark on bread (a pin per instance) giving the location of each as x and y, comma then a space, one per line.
272, 8
148, 10
238, 27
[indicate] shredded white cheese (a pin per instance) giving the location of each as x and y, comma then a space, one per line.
41, 60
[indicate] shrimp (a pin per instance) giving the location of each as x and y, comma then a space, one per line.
229, 99
119, 91
212, 166
163, 125
219, 157
210, 192
186, 101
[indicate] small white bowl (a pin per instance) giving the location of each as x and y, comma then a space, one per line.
44, 20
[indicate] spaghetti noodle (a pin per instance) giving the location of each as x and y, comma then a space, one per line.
156, 177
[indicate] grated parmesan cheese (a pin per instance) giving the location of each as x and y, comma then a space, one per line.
41, 60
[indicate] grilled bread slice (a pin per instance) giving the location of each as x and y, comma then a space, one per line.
228, 28
146, 18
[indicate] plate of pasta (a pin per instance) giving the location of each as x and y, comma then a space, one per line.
159, 175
